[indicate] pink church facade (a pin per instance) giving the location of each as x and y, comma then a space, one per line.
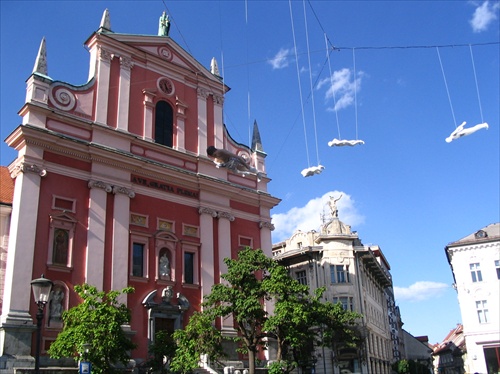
113, 187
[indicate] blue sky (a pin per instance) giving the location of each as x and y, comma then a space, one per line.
405, 189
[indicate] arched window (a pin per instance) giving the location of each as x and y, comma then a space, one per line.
164, 124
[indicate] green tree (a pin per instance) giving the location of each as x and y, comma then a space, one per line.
302, 321
96, 321
161, 351
200, 337
250, 281
410, 367
242, 295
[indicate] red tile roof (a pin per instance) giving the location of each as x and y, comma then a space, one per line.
6, 186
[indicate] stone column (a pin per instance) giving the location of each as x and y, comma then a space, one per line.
16, 323
96, 233
224, 234
207, 249
202, 121
124, 93
120, 246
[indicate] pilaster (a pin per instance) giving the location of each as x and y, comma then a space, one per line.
103, 77
96, 233
218, 121
207, 216
202, 120
126, 65
224, 234
120, 246
19, 271
180, 119
147, 131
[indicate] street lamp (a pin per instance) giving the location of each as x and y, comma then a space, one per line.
41, 293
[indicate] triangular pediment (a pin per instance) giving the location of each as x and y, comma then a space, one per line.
162, 48
63, 216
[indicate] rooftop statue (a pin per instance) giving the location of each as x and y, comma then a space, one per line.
164, 25
333, 206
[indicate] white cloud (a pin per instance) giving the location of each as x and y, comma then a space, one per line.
484, 15
419, 291
308, 217
342, 86
281, 59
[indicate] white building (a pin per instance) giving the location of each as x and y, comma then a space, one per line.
475, 263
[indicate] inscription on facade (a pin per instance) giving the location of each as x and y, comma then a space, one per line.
164, 187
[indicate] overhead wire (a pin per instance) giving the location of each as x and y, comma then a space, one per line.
300, 85
477, 86
248, 75
446, 85
311, 84
328, 52
355, 81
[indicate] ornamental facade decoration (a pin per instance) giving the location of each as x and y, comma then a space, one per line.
28, 168
266, 224
210, 211
99, 184
124, 190
225, 215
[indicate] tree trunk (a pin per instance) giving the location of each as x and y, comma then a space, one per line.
251, 361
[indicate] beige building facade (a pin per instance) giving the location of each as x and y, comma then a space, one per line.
356, 275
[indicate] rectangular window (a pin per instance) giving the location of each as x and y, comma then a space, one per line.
475, 272
342, 274
497, 266
482, 311
188, 267
345, 301
339, 274
301, 277
138, 260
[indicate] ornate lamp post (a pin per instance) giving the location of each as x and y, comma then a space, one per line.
41, 293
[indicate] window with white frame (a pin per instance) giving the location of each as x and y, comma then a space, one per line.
63, 203
497, 266
139, 256
245, 242
138, 259
301, 277
190, 264
475, 272
62, 232
339, 273
482, 311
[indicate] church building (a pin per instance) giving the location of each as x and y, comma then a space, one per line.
113, 187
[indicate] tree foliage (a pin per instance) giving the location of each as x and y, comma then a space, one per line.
252, 280
200, 337
96, 321
161, 351
242, 295
410, 367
